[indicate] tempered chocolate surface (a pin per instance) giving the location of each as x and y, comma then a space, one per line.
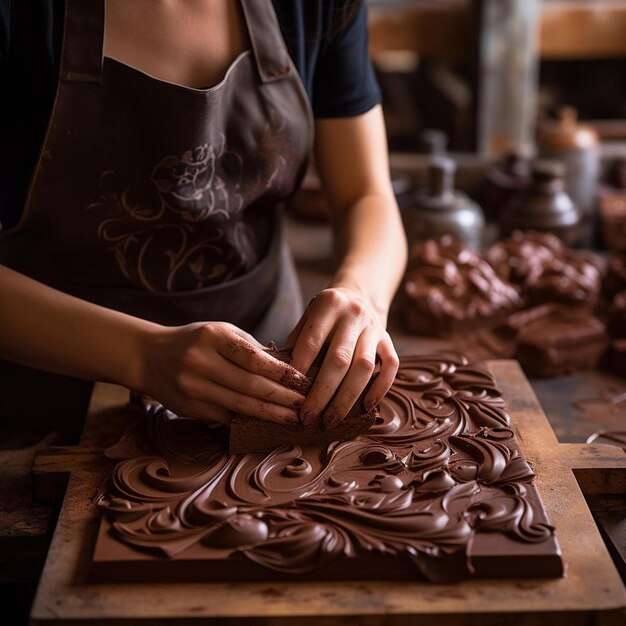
437, 488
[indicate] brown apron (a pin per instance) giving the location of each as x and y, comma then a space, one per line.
160, 200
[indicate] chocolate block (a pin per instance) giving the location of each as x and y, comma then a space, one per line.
248, 434
448, 288
618, 357
554, 339
616, 323
615, 279
437, 488
546, 270
612, 210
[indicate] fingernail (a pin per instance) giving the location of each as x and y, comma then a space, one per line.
297, 404
307, 417
331, 420
292, 420
296, 381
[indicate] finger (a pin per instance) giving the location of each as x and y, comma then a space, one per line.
336, 364
197, 388
313, 334
294, 334
389, 363
246, 336
241, 352
234, 377
355, 381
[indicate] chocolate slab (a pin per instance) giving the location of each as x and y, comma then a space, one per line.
438, 488
247, 434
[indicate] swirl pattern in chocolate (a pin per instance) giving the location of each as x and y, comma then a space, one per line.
546, 270
439, 468
448, 287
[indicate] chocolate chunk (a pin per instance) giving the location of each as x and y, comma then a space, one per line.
249, 434
618, 357
449, 288
546, 270
615, 279
554, 339
616, 323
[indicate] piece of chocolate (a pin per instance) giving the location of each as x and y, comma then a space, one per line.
556, 339
616, 323
612, 211
248, 434
615, 279
546, 270
438, 488
448, 288
618, 357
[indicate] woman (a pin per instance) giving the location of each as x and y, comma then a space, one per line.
142, 246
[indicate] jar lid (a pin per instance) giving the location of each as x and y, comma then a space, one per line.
565, 132
433, 141
545, 170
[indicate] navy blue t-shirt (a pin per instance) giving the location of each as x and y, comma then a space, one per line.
327, 40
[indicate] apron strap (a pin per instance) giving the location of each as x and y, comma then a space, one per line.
83, 39
272, 59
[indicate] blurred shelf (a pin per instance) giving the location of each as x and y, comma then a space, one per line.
568, 29
582, 29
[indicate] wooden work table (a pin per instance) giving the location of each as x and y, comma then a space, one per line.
568, 402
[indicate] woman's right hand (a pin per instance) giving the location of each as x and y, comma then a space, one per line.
211, 370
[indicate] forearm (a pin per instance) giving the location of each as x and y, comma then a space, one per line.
351, 155
44, 328
372, 249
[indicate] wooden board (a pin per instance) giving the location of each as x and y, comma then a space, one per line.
591, 593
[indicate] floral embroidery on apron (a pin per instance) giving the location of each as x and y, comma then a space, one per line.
155, 221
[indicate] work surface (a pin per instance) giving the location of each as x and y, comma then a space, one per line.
592, 592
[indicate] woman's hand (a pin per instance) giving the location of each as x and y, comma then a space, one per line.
348, 321
212, 370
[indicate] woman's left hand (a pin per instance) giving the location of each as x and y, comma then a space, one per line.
355, 331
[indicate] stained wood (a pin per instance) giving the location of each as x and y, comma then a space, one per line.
23, 523
592, 592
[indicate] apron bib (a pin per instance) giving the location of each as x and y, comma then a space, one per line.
160, 200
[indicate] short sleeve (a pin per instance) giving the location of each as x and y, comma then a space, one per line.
344, 83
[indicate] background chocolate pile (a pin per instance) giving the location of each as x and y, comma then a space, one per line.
615, 291
529, 297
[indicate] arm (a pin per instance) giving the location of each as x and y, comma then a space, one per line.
202, 370
351, 154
